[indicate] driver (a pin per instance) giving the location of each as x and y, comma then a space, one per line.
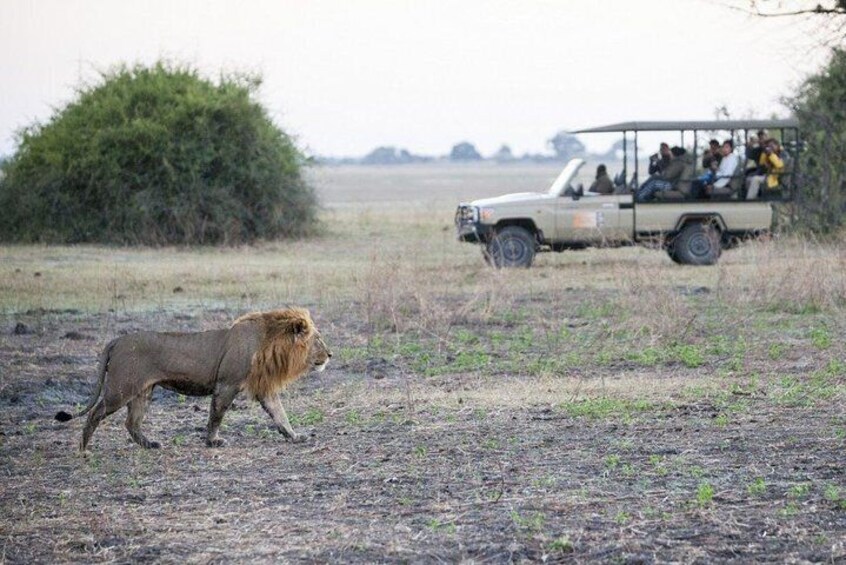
602, 184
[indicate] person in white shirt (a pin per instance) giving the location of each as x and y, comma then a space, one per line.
721, 188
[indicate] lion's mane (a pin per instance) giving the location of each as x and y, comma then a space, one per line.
282, 355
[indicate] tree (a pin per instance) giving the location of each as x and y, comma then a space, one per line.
386, 155
156, 155
389, 155
503, 154
821, 202
776, 8
464, 151
828, 15
566, 146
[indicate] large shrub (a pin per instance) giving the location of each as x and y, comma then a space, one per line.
819, 105
156, 155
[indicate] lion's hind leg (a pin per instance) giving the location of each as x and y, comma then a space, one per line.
104, 407
136, 410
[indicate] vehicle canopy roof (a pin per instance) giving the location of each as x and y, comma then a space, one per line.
695, 125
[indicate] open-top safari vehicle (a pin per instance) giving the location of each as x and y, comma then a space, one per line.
692, 229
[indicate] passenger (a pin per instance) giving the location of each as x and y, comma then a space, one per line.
665, 180
661, 160
721, 188
772, 165
697, 188
711, 154
602, 184
753, 153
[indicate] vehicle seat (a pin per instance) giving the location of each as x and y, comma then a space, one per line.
737, 178
686, 180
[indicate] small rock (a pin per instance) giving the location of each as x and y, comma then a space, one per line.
22, 329
693, 290
178, 289
36, 274
76, 336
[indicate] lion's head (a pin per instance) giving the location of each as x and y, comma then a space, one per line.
290, 347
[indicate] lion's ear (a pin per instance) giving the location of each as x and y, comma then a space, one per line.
300, 329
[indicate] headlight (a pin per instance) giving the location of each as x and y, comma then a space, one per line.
466, 214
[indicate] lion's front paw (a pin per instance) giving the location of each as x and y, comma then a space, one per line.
217, 442
298, 438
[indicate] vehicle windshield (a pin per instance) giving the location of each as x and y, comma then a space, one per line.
566, 175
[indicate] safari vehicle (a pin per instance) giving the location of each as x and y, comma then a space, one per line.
513, 227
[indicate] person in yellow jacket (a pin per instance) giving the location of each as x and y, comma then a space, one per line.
772, 164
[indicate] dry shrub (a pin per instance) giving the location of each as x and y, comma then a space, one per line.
789, 275
399, 295
650, 308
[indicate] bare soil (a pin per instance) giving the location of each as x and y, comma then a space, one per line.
407, 467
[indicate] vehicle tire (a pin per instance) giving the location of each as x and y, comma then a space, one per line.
511, 247
697, 244
671, 251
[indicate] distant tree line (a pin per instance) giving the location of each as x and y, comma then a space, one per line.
562, 146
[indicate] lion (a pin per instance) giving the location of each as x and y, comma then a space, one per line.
261, 353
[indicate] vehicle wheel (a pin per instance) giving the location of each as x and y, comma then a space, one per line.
512, 246
671, 251
697, 244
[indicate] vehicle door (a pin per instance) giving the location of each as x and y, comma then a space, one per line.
592, 219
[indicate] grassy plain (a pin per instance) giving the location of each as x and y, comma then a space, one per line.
604, 405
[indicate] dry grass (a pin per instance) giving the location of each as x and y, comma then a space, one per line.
574, 410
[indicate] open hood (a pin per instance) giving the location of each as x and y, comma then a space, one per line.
565, 177
510, 198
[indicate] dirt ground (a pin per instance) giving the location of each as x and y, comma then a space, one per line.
403, 466
603, 406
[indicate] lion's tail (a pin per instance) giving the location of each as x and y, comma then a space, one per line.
63, 416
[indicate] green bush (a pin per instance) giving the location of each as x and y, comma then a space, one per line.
156, 155
821, 203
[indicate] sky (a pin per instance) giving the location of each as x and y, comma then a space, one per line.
346, 76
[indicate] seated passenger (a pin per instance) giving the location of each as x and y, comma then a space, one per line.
602, 184
721, 188
753, 152
711, 154
771, 166
665, 180
709, 177
661, 160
